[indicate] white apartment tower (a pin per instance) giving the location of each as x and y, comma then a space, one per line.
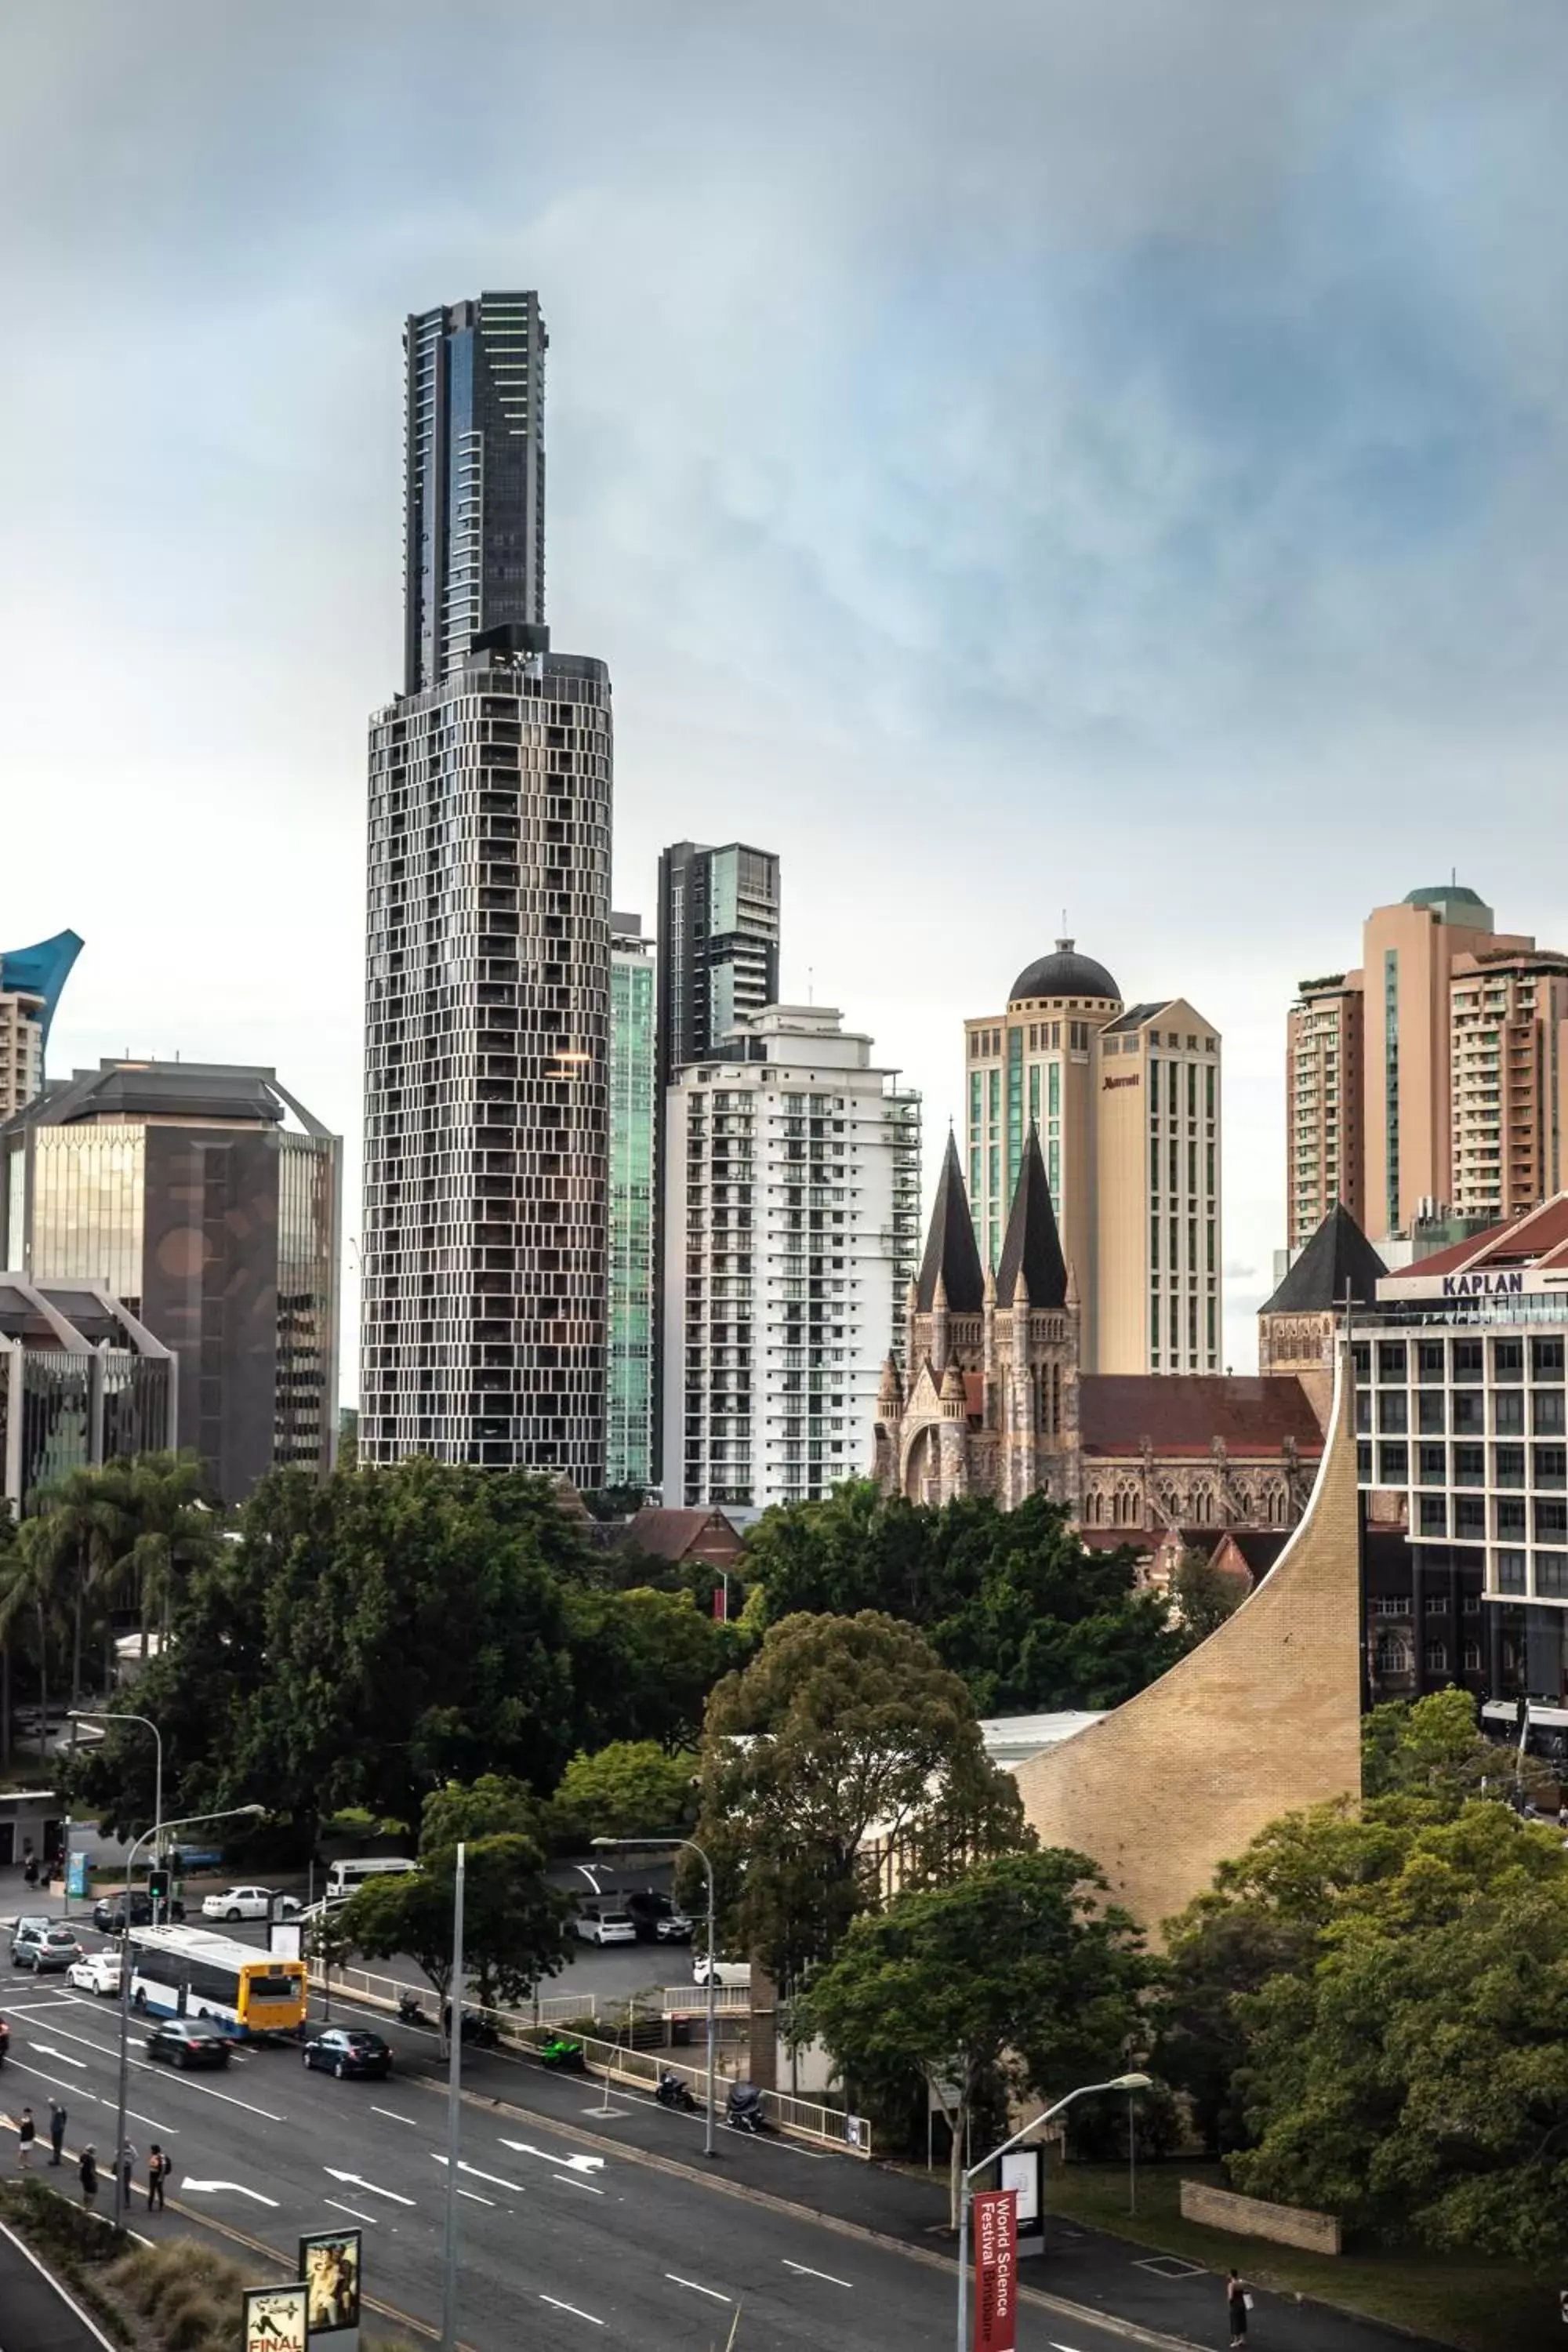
791, 1231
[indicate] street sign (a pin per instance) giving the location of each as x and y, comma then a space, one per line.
996, 2271
329, 2266
275, 2319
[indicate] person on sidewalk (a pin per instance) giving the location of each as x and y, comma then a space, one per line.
88, 2169
27, 2133
57, 2129
158, 2170
1238, 2302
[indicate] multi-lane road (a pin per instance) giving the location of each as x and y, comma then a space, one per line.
574, 2226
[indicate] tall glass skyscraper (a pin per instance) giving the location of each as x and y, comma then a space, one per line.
488, 951
629, 1441
475, 499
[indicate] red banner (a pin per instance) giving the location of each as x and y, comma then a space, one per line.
995, 2224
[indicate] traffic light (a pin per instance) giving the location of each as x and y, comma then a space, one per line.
158, 1883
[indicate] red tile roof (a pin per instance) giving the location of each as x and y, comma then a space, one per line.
671, 1534
1184, 1412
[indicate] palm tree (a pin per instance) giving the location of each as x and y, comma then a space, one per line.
85, 1519
30, 1585
174, 1532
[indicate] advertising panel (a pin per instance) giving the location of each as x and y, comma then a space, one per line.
275, 2319
996, 2271
1024, 2172
329, 2266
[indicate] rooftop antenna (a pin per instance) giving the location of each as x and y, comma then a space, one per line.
811, 983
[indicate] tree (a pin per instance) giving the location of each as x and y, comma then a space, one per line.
629, 1788
1432, 1745
1204, 1595
841, 1727
84, 1522
1015, 1979
31, 1582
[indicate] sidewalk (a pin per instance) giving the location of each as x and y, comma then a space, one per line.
1110, 2276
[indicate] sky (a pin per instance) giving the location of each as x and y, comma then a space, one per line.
1019, 458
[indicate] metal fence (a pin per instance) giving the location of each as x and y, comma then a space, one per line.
692, 2000
386, 1992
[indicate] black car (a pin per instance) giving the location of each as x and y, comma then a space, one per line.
108, 1912
343, 2050
656, 1919
189, 2042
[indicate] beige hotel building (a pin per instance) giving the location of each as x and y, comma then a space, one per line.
1126, 1100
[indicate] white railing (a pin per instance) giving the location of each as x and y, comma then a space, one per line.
388, 1992
692, 2000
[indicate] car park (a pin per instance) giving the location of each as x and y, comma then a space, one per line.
95, 1972
725, 1972
40, 1943
188, 2042
344, 2051
250, 1902
656, 1919
108, 1912
606, 1927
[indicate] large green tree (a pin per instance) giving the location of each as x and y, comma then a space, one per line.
1012, 1601
629, 1789
845, 1750
1017, 1978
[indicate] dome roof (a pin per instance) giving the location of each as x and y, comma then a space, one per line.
1065, 973
1458, 893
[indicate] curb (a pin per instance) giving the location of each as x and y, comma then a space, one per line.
1084, 2314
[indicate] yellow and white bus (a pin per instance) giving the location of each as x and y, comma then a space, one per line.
190, 1972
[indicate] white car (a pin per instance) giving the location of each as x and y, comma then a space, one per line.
250, 1902
725, 1972
98, 1972
606, 1927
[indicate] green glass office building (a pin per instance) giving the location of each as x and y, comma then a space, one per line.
629, 1417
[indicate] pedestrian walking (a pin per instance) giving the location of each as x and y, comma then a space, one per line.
27, 2133
127, 2167
158, 2170
1238, 2302
57, 2129
88, 2170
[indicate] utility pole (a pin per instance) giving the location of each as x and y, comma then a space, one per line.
454, 2112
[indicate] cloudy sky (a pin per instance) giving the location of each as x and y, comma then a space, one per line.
1109, 455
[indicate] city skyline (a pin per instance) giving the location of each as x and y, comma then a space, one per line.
1128, 540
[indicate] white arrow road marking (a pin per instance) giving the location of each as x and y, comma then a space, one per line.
493, 2177
549, 2155
339, 2207
571, 2308
676, 2280
807, 2272
205, 2187
358, 2180
44, 2050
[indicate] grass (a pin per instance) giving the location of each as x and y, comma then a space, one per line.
1476, 2304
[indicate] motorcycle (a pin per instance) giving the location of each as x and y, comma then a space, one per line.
562, 2054
409, 2010
671, 2092
743, 2109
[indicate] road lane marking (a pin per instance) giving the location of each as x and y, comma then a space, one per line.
807, 2272
358, 2180
676, 2280
208, 2187
571, 2308
206, 2090
338, 2206
548, 2155
475, 2199
493, 2177
44, 2050
571, 2181
93, 2098
393, 2116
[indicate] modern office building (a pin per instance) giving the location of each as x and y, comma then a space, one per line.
718, 946
1126, 1104
206, 1198
82, 1382
790, 1162
485, 1228
31, 979
628, 1441
1432, 1079
474, 527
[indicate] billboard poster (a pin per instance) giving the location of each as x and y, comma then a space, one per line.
1022, 2171
275, 2319
329, 2266
76, 1875
996, 2271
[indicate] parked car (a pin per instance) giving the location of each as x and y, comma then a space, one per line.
725, 1972
97, 1972
656, 1919
40, 1943
250, 1902
606, 1927
344, 2051
108, 1912
187, 2042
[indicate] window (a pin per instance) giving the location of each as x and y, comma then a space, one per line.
1434, 1514
1429, 1418
1434, 1470
1391, 1359
1546, 1412
1508, 1360
1470, 1411
1510, 1522
1363, 1462
1546, 1359
1510, 1571
1472, 1657
1470, 1517
1469, 1359
1470, 1465
1552, 1575
1550, 1463
1393, 1412
1153, 1087
1508, 1466
1437, 1604
1508, 1406
1550, 1521
1393, 1464
1437, 1657
1429, 1363
1390, 1604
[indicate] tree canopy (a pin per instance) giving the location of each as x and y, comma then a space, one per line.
842, 1736
1012, 1601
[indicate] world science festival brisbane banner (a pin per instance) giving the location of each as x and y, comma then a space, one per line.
996, 2219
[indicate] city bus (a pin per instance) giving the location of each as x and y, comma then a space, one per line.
191, 1972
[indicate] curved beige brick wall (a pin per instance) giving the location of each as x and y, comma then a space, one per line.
1260, 1720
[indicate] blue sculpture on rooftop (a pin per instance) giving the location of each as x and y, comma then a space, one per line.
41, 970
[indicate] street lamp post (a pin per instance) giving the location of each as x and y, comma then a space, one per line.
230, 1814
692, 1847
115, 1715
1120, 2083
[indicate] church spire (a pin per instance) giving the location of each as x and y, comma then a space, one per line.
1032, 1251
950, 1251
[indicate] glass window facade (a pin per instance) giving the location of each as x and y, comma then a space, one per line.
628, 1432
